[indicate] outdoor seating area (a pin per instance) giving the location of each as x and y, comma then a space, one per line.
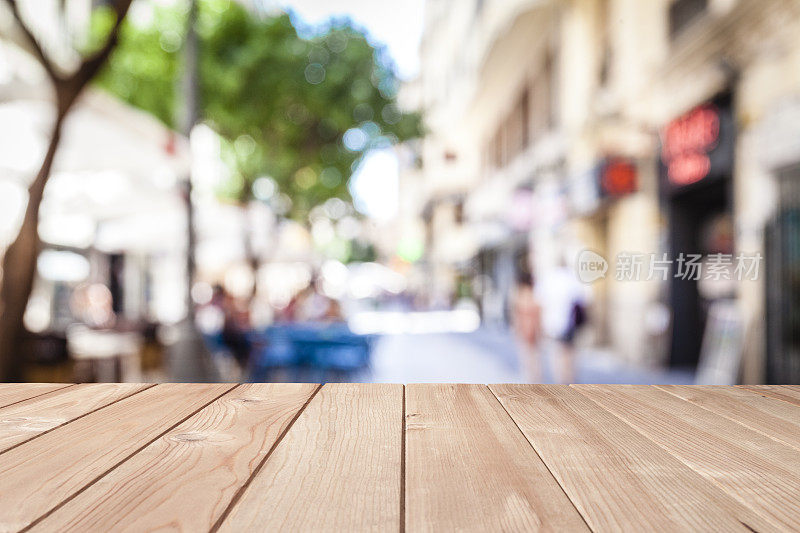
308, 352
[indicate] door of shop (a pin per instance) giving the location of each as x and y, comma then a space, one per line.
700, 223
696, 189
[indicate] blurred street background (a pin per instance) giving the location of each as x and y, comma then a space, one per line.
595, 191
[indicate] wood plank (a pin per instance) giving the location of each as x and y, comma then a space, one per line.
585, 447
337, 468
187, 478
468, 467
42, 473
786, 393
760, 472
11, 393
770, 416
24, 421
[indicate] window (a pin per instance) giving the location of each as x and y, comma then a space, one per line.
515, 128
605, 43
550, 80
682, 13
782, 265
524, 114
513, 134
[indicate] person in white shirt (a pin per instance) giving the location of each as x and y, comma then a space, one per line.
562, 299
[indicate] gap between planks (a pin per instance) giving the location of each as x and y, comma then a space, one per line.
585, 445
58, 393
469, 467
754, 469
186, 479
546, 465
337, 468
773, 418
242, 490
238, 495
403, 444
48, 390
403, 467
116, 465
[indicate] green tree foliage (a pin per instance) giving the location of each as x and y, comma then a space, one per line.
302, 111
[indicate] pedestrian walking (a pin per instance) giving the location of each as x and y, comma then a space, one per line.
526, 321
562, 299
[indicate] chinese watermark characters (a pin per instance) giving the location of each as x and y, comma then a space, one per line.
693, 267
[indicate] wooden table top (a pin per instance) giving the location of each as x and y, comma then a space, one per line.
345, 457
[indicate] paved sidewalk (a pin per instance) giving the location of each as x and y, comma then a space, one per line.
490, 356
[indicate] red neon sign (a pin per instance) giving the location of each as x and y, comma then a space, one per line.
686, 143
619, 177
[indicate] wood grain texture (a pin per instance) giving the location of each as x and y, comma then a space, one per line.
770, 416
43, 473
786, 393
585, 446
469, 468
760, 472
199, 457
27, 420
11, 393
336, 469
185, 479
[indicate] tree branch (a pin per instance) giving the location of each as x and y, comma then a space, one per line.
91, 65
37, 49
68, 88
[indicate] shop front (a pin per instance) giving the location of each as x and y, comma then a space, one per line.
696, 177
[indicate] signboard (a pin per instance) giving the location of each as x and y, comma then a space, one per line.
618, 177
583, 192
612, 178
697, 146
723, 341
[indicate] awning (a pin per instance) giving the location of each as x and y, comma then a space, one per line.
114, 163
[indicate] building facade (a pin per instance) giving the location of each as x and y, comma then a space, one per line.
628, 128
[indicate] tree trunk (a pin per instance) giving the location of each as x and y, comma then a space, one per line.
19, 261
191, 88
19, 267
252, 258
189, 357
